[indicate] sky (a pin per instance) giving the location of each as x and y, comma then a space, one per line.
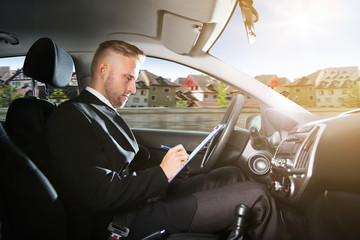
294, 38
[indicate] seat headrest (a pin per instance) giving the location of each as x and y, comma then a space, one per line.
48, 63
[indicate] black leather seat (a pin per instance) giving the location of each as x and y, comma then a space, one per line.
26, 117
31, 208
30, 205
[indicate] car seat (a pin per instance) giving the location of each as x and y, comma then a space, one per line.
31, 208
26, 117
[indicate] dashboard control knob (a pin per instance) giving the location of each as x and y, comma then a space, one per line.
259, 164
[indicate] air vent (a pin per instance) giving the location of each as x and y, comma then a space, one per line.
304, 156
303, 160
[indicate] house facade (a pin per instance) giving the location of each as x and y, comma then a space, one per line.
153, 91
4, 73
274, 82
324, 88
140, 98
332, 89
203, 88
24, 84
303, 90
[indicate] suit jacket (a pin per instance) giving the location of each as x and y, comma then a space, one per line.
91, 148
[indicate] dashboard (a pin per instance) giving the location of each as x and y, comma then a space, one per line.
316, 157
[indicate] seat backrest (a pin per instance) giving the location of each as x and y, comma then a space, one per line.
26, 117
30, 205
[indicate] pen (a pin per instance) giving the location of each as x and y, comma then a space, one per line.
165, 147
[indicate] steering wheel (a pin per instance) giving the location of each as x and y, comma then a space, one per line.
218, 143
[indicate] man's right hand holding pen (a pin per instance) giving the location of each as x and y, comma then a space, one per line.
174, 161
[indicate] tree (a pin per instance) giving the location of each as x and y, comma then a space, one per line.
181, 103
8, 94
352, 97
222, 93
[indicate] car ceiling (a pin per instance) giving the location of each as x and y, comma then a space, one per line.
79, 26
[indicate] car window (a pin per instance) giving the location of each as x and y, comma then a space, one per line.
15, 84
168, 96
172, 96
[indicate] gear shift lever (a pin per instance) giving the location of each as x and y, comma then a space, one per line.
242, 212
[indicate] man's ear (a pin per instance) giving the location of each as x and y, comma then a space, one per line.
102, 69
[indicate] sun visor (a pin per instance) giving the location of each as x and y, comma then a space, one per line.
180, 34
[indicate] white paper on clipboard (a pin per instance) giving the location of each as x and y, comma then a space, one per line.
201, 145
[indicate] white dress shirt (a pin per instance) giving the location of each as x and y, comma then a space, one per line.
100, 97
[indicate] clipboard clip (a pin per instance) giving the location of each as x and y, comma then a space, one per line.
219, 126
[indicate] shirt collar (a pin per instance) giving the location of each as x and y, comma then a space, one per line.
100, 97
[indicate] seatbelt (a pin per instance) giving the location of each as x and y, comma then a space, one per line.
117, 232
118, 227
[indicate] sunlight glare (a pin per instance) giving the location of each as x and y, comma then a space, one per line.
308, 19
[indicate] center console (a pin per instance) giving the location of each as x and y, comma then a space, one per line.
291, 166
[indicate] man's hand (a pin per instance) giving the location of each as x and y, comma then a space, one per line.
173, 161
182, 175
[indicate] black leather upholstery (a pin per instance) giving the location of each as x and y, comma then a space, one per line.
26, 117
31, 207
48, 63
25, 123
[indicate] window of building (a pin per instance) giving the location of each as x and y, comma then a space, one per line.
328, 100
167, 90
297, 90
142, 92
331, 92
168, 98
311, 98
321, 92
310, 89
136, 100
215, 96
153, 98
153, 89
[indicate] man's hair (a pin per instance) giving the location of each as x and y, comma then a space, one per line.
117, 46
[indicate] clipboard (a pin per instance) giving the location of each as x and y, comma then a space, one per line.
201, 146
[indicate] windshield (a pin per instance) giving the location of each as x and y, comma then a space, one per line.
311, 47
294, 38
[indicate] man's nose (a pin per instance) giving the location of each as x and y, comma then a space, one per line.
132, 87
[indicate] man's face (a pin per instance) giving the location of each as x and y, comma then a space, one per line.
120, 80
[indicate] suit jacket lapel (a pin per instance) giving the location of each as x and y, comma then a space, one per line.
112, 116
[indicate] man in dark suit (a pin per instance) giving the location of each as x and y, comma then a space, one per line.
93, 150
